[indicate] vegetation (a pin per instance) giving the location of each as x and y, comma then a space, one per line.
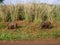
1, 1
29, 21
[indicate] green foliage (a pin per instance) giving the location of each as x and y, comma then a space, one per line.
1, 1
32, 13
35, 13
27, 35
8, 18
21, 13
0, 19
2, 26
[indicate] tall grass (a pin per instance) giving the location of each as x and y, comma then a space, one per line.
29, 12
35, 13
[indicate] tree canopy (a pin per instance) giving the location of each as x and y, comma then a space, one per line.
1, 1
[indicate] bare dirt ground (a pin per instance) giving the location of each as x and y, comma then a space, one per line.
32, 42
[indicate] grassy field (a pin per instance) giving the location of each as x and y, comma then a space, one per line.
29, 18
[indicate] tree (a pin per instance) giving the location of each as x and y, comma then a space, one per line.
1, 1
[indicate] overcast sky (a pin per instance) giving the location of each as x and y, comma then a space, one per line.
28, 1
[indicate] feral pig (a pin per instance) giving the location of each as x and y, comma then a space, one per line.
46, 24
12, 25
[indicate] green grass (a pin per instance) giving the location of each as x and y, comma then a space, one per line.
2, 26
27, 35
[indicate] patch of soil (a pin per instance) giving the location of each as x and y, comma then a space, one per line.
32, 42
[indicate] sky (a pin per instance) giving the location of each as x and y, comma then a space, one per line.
29, 1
